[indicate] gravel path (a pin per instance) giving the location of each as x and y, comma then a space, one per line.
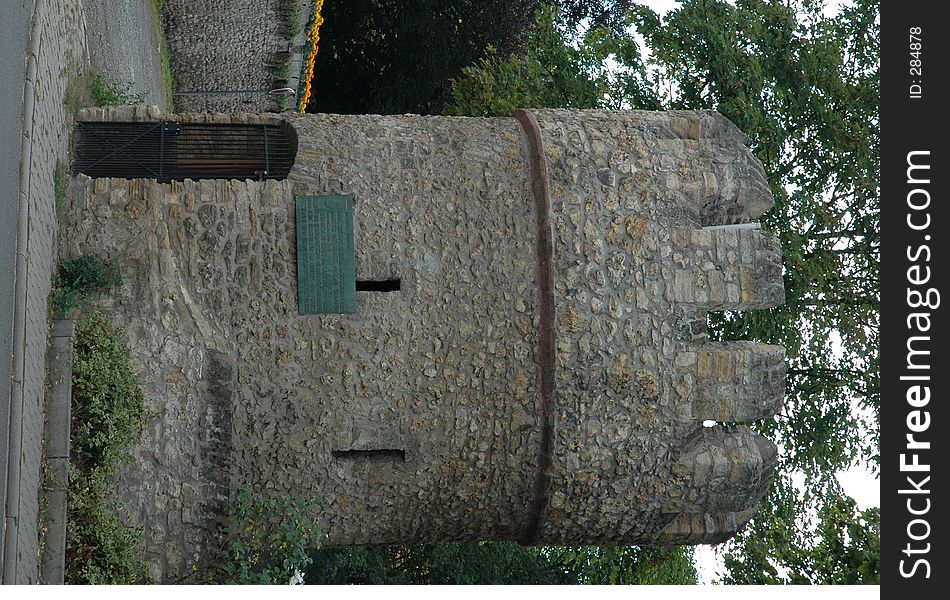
122, 47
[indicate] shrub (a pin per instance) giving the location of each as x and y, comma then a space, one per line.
60, 183
100, 548
108, 406
265, 540
288, 15
108, 414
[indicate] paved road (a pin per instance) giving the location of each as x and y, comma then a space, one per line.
59, 30
14, 31
124, 51
122, 46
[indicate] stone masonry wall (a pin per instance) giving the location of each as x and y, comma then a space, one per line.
227, 45
418, 418
181, 478
637, 271
175, 488
443, 204
441, 370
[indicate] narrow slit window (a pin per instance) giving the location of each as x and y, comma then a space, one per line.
378, 285
375, 454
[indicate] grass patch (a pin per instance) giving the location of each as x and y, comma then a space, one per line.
106, 93
108, 415
80, 279
164, 54
60, 183
78, 92
84, 90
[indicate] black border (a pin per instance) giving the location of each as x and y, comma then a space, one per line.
912, 124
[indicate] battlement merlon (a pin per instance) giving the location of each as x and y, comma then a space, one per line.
695, 164
722, 470
723, 475
703, 528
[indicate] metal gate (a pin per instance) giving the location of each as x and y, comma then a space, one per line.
167, 150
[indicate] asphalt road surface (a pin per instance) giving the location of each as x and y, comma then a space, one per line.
14, 35
123, 49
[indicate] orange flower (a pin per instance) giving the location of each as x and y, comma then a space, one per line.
313, 36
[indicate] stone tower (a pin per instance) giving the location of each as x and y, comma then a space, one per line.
542, 373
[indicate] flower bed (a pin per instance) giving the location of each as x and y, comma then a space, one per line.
313, 38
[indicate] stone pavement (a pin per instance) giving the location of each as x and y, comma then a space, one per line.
57, 38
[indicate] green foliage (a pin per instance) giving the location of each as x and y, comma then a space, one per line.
79, 279
105, 93
550, 74
266, 540
394, 57
607, 14
108, 414
164, 52
288, 15
506, 563
627, 565
553, 73
100, 548
108, 410
445, 563
839, 545
60, 183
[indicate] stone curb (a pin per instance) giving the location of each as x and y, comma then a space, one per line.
60, 377
12, 482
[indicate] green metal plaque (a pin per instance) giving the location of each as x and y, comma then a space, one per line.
326, 271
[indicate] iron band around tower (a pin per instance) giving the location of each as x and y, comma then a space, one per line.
538, 176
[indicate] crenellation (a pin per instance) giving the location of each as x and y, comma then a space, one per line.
727, 268
722, 471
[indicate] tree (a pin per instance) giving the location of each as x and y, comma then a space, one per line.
805, 88
592, 14
502, 563
444, 563
839, 545
626, 565
390, 57
553, 73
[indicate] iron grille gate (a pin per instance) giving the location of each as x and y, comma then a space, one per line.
167, 150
